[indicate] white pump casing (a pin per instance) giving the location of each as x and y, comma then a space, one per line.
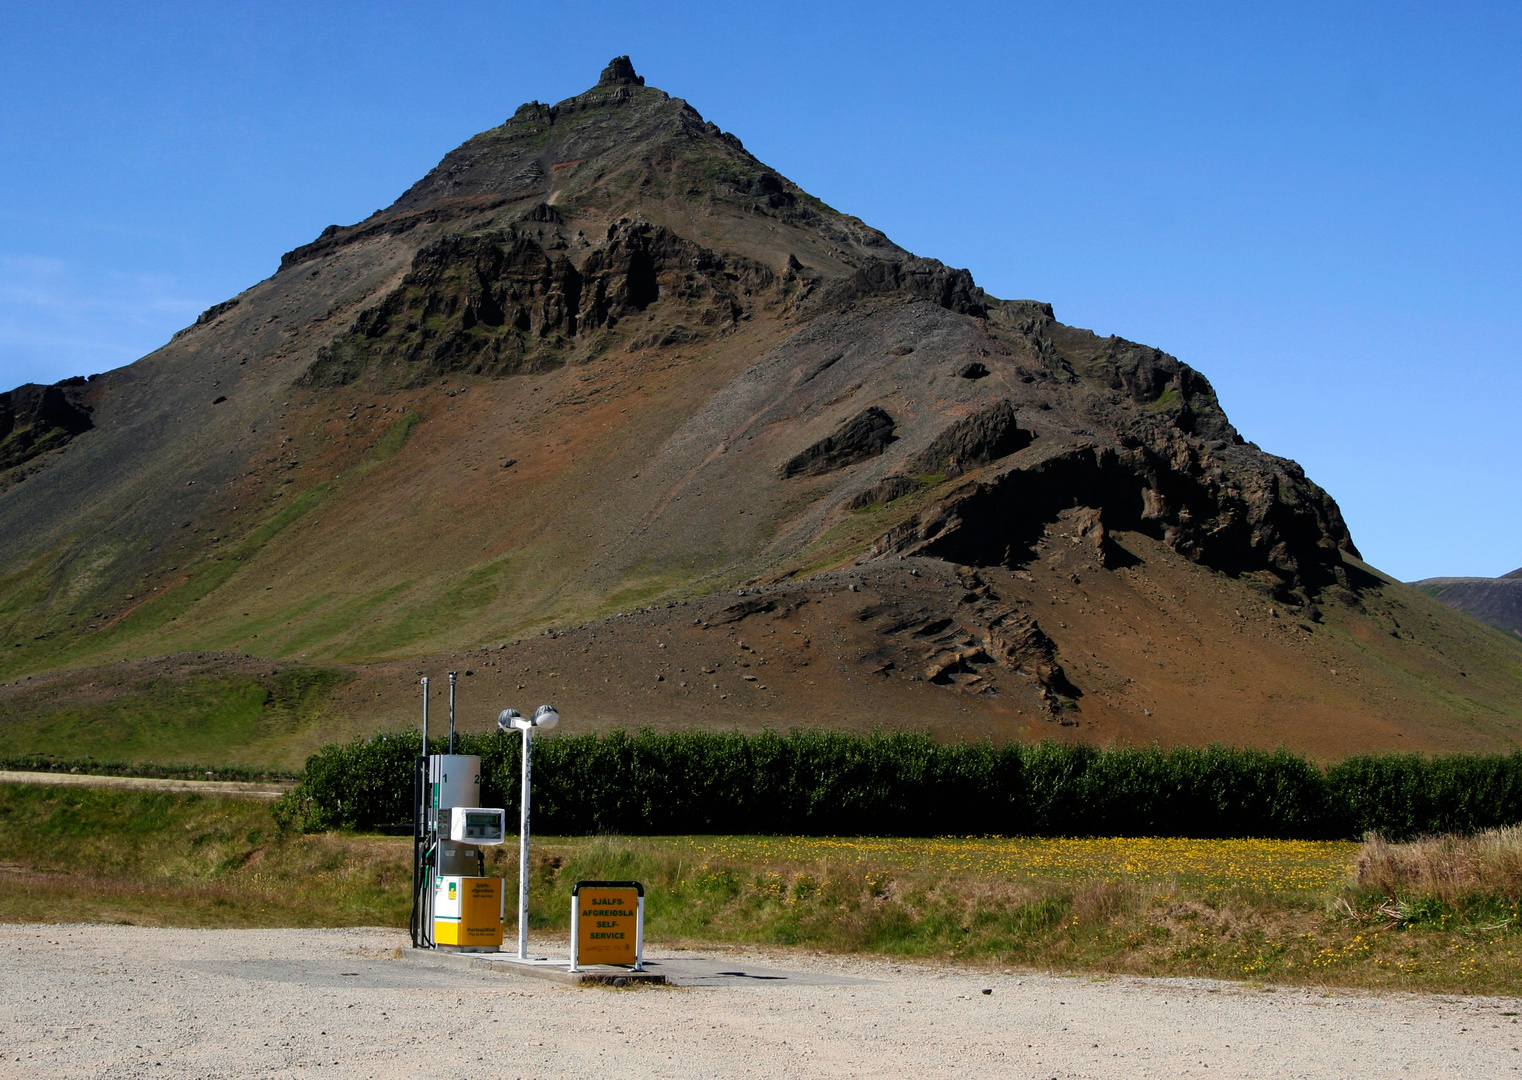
456, 780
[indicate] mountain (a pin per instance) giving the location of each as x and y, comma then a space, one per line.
1496, 602
604, 409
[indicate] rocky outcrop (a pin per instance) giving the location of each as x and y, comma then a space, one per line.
915, 279
335, 237
1151, 386
885, 491
1262, 516
620, 72
962, 646
216, 311
35, 419
865, 435
972, 442
509, 301
1016, 640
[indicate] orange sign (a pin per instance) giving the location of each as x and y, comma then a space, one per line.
607, 923
481, 912
468, 911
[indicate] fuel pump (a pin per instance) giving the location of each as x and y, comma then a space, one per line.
455, 906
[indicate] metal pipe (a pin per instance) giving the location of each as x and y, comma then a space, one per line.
422, 851
452, 676
528, 736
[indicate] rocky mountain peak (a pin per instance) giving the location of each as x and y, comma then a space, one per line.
620, 72
622, 150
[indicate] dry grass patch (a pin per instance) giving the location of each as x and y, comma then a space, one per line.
1452, 869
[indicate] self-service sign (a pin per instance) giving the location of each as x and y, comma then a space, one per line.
607, 922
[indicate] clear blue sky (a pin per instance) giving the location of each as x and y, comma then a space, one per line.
1318, 206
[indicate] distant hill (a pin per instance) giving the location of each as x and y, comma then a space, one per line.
607, 411
1494, 601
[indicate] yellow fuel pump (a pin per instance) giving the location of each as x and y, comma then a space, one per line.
462, 907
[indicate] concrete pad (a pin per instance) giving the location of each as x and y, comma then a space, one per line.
550, 969
673, 971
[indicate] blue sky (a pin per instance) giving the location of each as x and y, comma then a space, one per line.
1317, 206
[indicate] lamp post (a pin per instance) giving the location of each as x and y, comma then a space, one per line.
453, 675
545, 717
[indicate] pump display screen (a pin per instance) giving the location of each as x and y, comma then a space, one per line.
482, 826
477, 825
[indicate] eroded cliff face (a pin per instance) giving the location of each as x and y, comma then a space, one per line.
601, 358
1270, 521
510, 301
1138, 440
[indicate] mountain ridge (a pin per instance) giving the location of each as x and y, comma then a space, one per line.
1496, 602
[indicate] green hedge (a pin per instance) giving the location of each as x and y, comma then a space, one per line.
816, 783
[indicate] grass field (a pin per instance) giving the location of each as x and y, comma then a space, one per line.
1279, 866
221, 719
1255, 910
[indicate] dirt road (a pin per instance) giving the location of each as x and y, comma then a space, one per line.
236, 789
121, 1001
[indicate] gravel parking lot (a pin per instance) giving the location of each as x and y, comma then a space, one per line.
124, 1001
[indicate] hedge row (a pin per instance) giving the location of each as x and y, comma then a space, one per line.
909, 785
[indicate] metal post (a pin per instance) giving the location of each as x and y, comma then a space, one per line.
639, 935
575, 925
528, 735
452, 676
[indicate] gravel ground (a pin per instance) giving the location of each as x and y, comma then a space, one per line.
125, 1001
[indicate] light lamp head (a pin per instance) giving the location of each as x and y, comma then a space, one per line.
546, 716
508, 719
